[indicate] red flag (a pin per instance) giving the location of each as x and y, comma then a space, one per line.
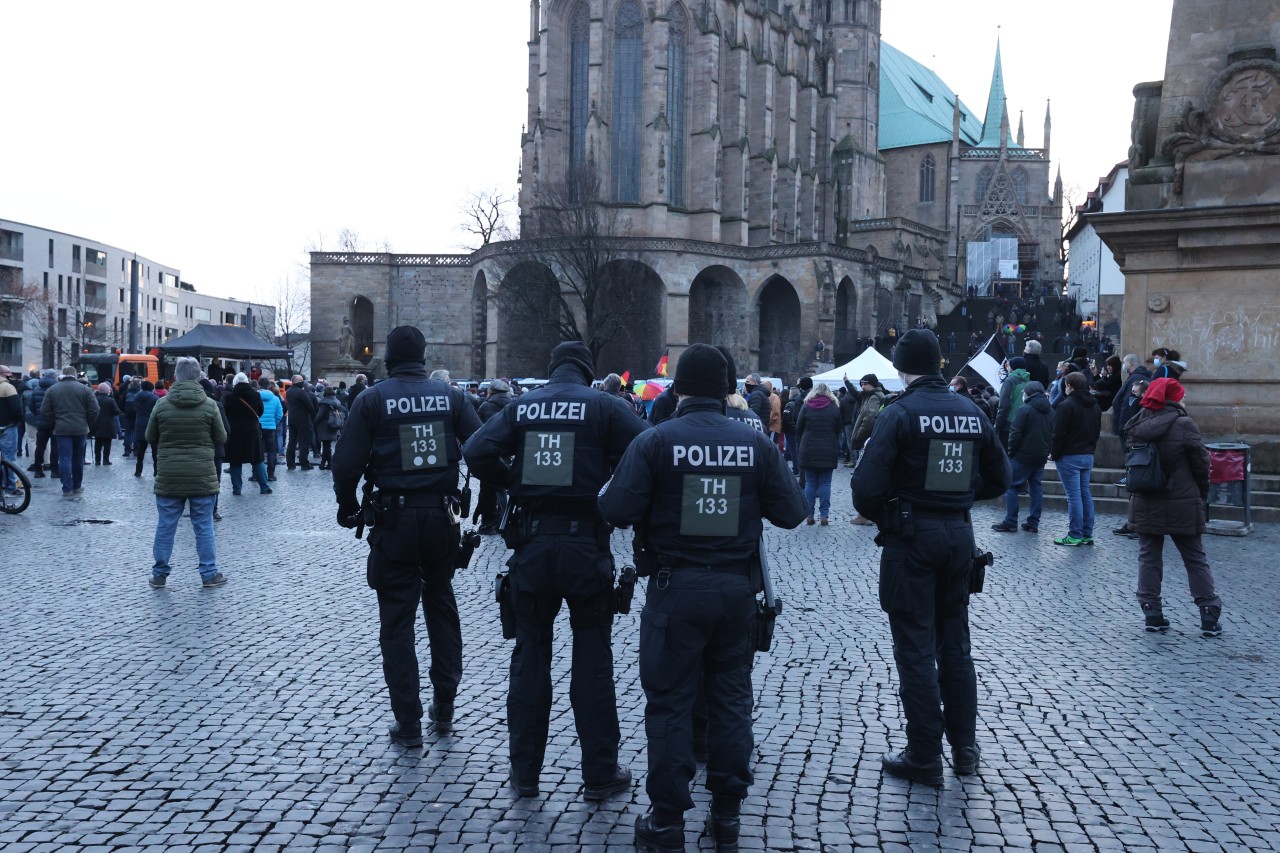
661, 369
626, 377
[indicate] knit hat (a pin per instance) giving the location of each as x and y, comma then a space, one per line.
1017, 363
575, 353
701, 372
1161, 391
1079, 352
240, 379
918, 353
1032, 388
406, 343
805, 384
732, 386
870, 379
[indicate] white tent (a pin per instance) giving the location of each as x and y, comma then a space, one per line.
870, 361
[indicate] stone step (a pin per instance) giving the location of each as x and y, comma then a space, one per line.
1116, 506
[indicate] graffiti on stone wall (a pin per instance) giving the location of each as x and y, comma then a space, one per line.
1232, 336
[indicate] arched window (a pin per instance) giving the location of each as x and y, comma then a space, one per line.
628, 50
677, 30
1020, 185
579, 102
850, 10
927, 169
984, 181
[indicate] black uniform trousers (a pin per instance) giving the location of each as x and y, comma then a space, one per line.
924, 588
697, 627
545, 571
298, 450
411, 561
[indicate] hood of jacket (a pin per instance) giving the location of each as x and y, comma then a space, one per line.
819, 402
1153, 425
1021, 373
187, 394
1039, 402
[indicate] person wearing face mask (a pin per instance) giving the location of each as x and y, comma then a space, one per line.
930, 455
1167, 363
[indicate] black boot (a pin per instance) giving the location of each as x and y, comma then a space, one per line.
1156, 623
965, 759
656, 837
440, 713
605, 788
1209, 626
723, 822
406, 734
916, 768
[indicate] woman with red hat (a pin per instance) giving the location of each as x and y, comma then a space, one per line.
1177, 512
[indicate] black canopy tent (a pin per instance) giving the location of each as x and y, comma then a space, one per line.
209, 341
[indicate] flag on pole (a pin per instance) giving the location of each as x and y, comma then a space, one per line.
626, 378
661, 369
988, 362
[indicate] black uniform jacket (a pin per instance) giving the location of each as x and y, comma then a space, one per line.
933, 449
406, 431
554, 448
699, 485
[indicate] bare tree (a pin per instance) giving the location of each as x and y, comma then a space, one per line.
486, 217
291, 296
26, 306
565, 277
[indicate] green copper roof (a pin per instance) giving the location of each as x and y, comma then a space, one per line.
995, 107
916, 106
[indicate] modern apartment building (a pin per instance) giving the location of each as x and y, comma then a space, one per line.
61, 294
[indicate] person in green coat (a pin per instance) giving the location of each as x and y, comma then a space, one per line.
186, 426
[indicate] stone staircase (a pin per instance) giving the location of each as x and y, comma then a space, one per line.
1109, 498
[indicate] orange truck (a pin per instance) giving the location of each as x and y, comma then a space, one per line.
112, 367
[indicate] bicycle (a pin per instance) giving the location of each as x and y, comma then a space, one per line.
15, 488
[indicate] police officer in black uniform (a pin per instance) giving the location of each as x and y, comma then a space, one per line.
931, 453
699, 485
563, 440
403, 436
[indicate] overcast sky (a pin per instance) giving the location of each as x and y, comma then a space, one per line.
224, 138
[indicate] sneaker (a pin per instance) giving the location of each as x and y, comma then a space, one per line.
1086, 540
1031, 527
78, 490
859, 520
1068, 540
1005, 526
406, 734
823, 522
217, 580
156, 582
271, 478
620, 782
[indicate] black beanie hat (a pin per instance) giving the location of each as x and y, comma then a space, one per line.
701, 372
405, 343
918, 353
871, 380
575, 353
732, 386
806, 384
1017, 363
1079, 352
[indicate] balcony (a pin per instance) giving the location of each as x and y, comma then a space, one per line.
95, 269
95, 304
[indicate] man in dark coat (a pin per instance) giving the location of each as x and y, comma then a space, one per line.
1076, 425
1134, 369
757, 396
1038, 370
1030, 440
301, 405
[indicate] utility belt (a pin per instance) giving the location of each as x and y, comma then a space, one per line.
520, 526
382, 508
899, 517
734, 567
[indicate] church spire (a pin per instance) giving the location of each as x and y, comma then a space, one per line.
1047, 125
1022, 133
996, 113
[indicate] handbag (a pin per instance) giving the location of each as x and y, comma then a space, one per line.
1144, 469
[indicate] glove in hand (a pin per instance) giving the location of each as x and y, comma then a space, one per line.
348, 515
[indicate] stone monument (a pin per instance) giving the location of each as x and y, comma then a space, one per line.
344, 366
1199, 241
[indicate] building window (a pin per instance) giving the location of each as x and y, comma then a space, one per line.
579, 64
628, 49
850, 10
11, 245
60, 299
75, 258
50, 253
984, 182
927, 169
1020, 184
204, 315
171, 308
678, 27
122, 295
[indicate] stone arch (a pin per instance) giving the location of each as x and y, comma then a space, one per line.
884, 309
717, 299
527, 329
630, 314
361, 329
778, 313
846, 342
479, 326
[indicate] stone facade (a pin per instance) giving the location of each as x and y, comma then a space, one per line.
735, 144
1199, 241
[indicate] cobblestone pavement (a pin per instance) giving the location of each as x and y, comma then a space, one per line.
253, 716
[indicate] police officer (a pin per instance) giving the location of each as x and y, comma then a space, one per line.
699, 485
930, 454
403, 435
563, 440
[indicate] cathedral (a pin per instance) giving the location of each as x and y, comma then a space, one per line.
759, 174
